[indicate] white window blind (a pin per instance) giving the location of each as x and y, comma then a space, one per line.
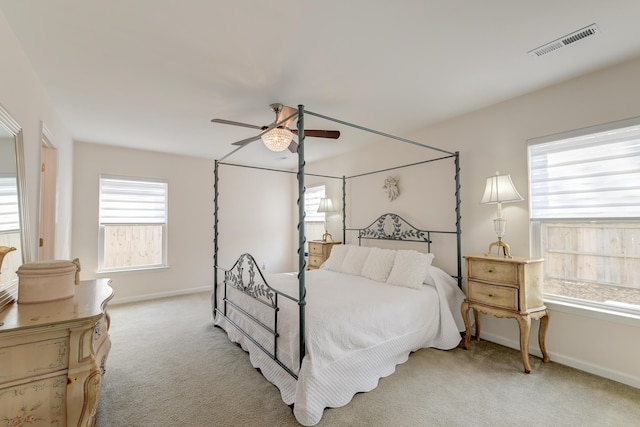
128, 201
9, 208
587, 176
312, 198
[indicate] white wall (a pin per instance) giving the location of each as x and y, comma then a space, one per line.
255, 216
426, 198
24, 97
488, 140
494, 139
190, 218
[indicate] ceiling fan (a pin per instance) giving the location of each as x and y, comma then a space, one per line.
277, 136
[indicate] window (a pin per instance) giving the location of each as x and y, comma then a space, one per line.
9, 210
314, 220
585, 214
133, 223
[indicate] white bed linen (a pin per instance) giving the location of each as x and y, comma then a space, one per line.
357, 331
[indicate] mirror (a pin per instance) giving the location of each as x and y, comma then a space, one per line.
13, 207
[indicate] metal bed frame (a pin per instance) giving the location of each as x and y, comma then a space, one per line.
245, 275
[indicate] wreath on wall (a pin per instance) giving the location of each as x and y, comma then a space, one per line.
391, 187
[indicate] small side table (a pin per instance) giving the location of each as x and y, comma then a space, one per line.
506, 287
319, 251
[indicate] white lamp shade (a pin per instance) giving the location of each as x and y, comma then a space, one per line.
500, 189
326, 205
277, 139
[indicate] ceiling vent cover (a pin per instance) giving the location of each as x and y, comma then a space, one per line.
581, 34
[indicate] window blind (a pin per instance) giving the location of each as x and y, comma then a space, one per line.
312, 196
9, 208
128, 201
593, 175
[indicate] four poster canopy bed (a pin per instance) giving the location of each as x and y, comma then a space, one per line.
321, 336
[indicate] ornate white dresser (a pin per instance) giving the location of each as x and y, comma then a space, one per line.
52, 358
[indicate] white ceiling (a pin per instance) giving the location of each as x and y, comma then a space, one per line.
151, 74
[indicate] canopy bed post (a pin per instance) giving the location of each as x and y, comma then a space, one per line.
344, 210
215, 236
458, 217
252, 313
301, 238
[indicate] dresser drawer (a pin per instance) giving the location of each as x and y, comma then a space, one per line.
491, 271
41, 401
34, 358
493, 295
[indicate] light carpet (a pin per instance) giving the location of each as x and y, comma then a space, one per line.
169, 366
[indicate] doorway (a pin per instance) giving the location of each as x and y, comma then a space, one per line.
48, 178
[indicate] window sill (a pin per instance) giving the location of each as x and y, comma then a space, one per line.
611, 313
132, 269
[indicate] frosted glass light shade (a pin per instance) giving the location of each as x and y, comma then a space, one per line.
277, 139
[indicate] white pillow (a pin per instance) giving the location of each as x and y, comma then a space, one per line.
336, 258
410, 269
355, 259
378, 264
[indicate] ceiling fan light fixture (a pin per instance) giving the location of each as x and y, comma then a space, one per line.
277, 139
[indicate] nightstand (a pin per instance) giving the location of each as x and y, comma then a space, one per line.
319, 251
506, 287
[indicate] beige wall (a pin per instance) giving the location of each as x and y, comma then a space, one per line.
488, 140
190, 220
24, 97
255, 217
252, 203
494, 139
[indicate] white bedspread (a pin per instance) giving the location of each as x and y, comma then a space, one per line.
357, 331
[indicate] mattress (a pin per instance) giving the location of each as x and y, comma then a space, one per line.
357, 331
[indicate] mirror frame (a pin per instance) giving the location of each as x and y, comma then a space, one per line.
14, 128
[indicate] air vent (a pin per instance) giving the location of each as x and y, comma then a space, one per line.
581, 34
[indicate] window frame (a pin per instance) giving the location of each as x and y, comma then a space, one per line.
10, 202
102, 226
307, 219
611, 312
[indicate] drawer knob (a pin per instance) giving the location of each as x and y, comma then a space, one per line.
490, 270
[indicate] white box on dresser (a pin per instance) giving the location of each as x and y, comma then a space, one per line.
53, 356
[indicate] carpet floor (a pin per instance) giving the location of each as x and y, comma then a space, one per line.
169, 366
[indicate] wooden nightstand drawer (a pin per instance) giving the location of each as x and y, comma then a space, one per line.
315, 248
491, 271
497, 296
315, 261
506, 287
319, 251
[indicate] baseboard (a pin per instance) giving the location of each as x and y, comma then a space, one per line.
568, 361
175, 293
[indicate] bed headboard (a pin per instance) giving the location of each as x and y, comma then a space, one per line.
390, 226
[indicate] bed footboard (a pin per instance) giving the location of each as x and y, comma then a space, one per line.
245, 276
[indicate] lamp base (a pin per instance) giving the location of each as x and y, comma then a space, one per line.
327, 237
506, 250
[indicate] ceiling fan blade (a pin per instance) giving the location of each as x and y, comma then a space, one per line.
247, 141
332, 134
286, 112
230, 122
